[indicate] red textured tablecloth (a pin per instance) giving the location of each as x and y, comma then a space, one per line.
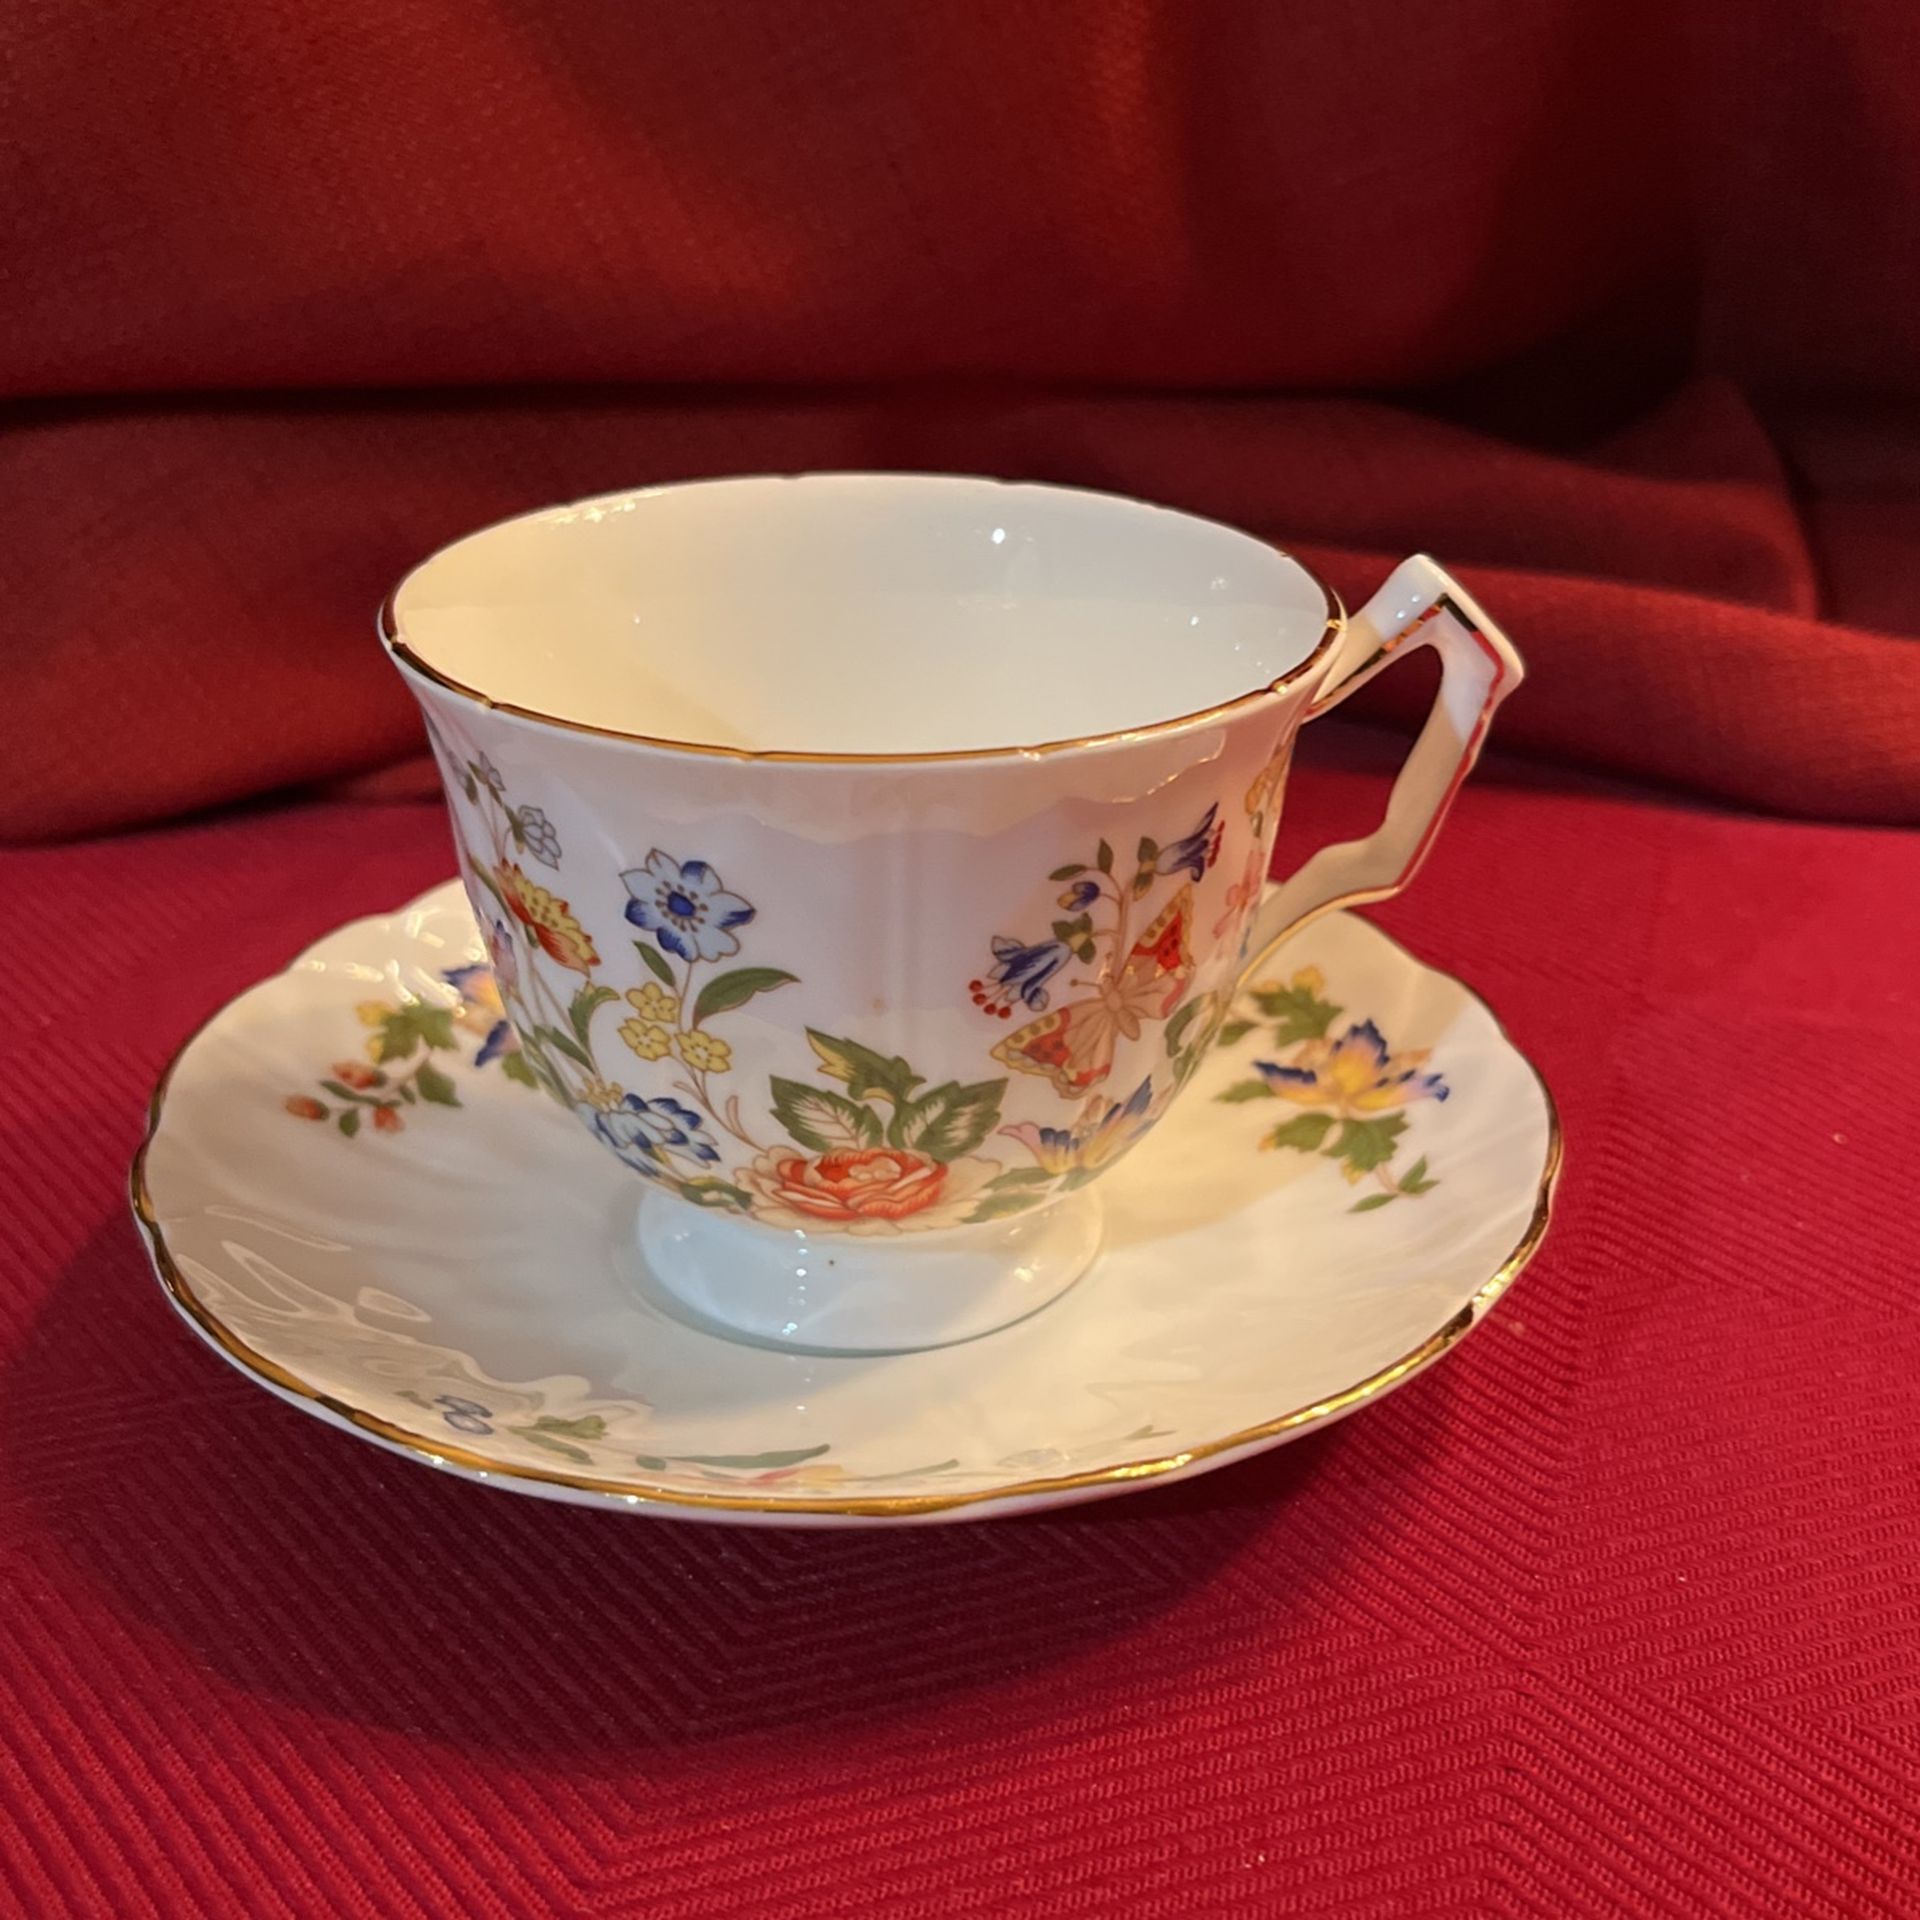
1615, 1611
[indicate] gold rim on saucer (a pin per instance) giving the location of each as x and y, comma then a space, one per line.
646, 1493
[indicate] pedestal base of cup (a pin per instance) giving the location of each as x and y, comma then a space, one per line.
858, 1293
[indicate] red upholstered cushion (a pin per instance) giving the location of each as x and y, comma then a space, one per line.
1611, 1613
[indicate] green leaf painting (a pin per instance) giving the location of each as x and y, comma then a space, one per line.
865, 1072
823, 1120
729, 990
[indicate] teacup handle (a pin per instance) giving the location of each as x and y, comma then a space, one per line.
1420, 605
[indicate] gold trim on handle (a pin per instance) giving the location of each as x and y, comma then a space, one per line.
648, 1493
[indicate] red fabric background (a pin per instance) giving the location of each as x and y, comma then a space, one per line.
1614, 1611
290, 297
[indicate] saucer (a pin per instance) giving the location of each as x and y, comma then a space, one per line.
353, 1188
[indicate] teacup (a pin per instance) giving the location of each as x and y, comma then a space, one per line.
868, 860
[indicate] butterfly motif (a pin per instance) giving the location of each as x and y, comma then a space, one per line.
1263, 797
1073, 1045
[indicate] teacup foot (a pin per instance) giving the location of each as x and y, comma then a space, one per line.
851, 1293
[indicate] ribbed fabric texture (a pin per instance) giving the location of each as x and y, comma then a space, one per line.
1614, 1612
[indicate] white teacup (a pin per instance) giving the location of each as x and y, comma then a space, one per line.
868, 859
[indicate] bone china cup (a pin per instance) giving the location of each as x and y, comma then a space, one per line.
867, 860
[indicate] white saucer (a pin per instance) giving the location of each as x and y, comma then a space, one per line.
458, 1286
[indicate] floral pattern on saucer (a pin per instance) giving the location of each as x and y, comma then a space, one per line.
1352, 1089
399, 1070
471, 1294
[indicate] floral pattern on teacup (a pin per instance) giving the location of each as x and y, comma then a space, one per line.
1132, 979
865, 1145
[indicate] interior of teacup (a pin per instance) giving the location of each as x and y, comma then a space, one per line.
860, 614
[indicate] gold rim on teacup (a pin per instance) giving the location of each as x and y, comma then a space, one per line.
402, 650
